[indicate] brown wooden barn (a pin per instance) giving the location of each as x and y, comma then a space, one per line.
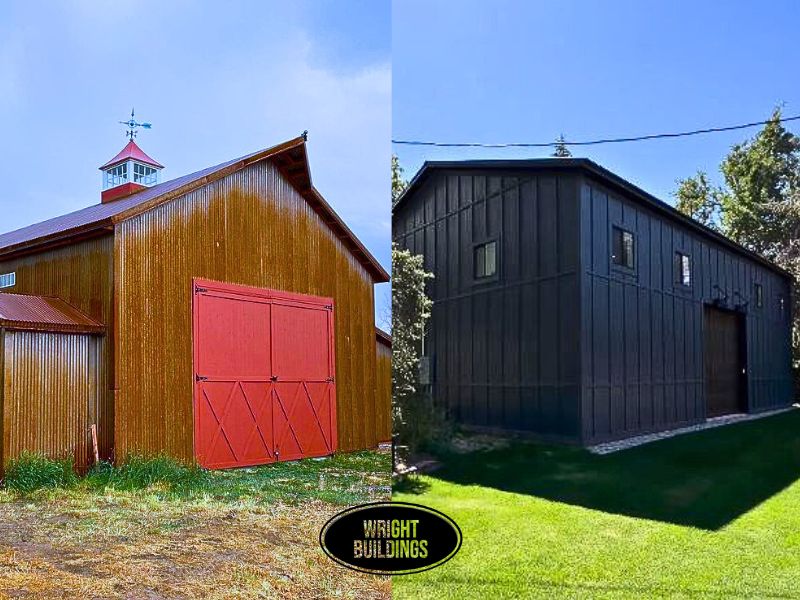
383, 357
224, 317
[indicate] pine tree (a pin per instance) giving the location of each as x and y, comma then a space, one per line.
561, 149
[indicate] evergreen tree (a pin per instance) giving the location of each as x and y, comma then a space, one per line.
561, 149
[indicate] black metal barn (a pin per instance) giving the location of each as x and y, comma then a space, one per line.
572, 305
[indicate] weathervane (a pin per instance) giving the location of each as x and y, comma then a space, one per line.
133, 126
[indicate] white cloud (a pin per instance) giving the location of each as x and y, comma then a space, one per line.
348, 115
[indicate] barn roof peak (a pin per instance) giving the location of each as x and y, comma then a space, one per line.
289, 157
132, 151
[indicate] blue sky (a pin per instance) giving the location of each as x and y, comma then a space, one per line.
217, 80
519, 71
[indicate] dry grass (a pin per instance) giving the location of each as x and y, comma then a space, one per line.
78, 544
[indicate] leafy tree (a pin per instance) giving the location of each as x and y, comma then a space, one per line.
416, 421
413, 414
561, 149
398, 183
697, 198
759, 203
760, 175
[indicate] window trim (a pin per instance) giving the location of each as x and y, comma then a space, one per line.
678, 270
486, 278
8, 280
758, 295
634, 243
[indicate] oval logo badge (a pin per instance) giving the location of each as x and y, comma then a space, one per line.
390, 538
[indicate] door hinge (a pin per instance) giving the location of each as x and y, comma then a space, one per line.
329, 306
330, 380
200, 290
200, 378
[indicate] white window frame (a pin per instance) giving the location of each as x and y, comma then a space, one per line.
8, 280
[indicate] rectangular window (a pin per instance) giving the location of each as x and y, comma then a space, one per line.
683, 269
622, 248
143, 174
118, 175
8, 280
759, 294
485, 260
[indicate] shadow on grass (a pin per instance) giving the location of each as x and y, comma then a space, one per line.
704, 479
411, 484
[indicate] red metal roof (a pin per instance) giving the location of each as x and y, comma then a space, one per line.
131, 150
99, 217
41, 313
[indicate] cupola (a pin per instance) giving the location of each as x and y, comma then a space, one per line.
131, 170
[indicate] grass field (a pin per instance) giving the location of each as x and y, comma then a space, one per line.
714, 514
153, 530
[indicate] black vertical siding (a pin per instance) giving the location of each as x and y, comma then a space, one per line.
505, 353
642, 335
563, 344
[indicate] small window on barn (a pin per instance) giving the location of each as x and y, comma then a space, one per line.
759, 294
622, 248
485, 260
683, 268
8, 280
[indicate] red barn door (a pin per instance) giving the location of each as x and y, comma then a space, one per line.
264, 376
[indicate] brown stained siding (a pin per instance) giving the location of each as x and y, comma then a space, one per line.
384, 394
249, 228
49, 394
80, 274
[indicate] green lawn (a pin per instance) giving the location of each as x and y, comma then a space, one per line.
714, 514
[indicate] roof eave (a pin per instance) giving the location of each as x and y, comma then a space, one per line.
51, 327
592, 168
62, 238
296, 171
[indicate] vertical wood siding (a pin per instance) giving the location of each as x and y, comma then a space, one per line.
49, 394
383, 396
249, 228
643, 333
81, 274
503, 352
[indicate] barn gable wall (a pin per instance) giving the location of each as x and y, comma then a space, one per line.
82, 275
504, 352
252, 228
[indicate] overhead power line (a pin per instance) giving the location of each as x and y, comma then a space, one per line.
639, 138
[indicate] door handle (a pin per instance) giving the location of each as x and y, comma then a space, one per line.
274, 378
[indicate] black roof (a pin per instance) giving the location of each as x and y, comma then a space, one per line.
591, 168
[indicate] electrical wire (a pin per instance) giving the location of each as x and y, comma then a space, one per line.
654, 136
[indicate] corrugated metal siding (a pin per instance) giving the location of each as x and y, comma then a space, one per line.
643, 334
383, 397
49, 394
504, 353
249, 228
80, 274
